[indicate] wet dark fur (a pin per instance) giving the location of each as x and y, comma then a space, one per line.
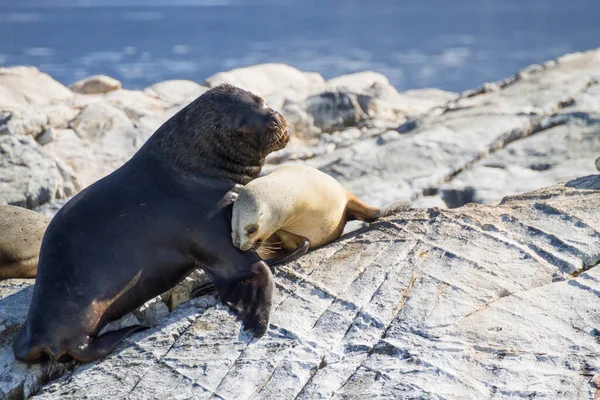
139, 231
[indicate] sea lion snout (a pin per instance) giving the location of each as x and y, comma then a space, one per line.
277, 132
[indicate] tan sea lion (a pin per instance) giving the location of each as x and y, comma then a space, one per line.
293, 204
21, 233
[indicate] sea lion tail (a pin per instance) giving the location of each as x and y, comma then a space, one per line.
393, 208
356, 209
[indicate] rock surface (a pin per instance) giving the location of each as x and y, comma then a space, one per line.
484, 301
493, 301
24, 86
30, 177
96, 84
455, 141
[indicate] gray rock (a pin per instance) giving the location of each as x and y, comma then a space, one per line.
334, 111
31, 177
46, 137
96, 84
436, 147
481, 301
34, 120
561, 147
151, 313
26, 86
391, 105
176, 91
598, 163
50, 209
363, 99
100, 139
19, 381
275, 82
475, 302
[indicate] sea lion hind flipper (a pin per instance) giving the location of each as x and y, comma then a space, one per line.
289, 257
393, 208
251, 298
101, 346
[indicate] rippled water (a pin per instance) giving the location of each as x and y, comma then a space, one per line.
451, 44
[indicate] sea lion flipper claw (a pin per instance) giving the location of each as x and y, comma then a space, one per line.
102, 345
202, 290
294, 255
251, 299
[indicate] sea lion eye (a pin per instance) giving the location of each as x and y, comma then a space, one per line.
252, 230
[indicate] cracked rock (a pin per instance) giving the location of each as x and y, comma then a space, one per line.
30, 176
477, 301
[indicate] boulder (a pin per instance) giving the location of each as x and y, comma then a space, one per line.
34, 120
480, 301
96, 84
101, 138
25, 86
334, 111
275, 82
560, 147
176, 91
434, 148
362, 99
30, 176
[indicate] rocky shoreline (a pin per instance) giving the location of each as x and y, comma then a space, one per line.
427, 304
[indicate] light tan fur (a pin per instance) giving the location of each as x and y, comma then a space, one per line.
21, 233
292, 204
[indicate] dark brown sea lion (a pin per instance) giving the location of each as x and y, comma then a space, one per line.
139, 231
21, 233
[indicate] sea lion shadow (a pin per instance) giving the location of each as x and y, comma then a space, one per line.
590, 182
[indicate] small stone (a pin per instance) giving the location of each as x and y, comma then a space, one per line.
152, 311
96, 84
46, 137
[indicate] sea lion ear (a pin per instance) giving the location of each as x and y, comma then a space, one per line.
245, 129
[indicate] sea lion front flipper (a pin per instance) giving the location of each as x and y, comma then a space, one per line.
294, 255
209, 287
251, 298
101, 346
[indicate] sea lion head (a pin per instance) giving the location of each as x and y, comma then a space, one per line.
252, 222
226, 133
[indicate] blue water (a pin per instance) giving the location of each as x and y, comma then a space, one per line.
451, 44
